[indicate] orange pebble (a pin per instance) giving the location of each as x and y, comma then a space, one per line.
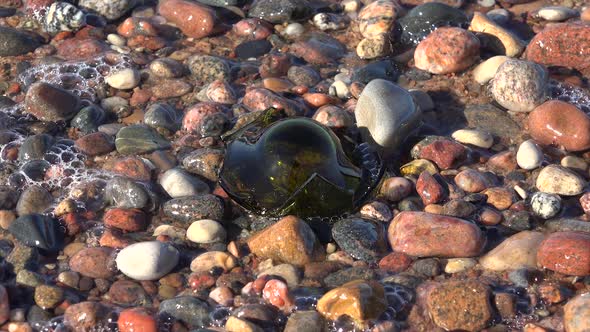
318, 99
136, 320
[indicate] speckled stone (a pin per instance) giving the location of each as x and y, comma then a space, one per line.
447, 50
520, 86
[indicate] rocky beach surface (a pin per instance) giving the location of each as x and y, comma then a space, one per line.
114, 125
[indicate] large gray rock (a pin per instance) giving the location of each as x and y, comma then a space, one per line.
386, 114
14, 42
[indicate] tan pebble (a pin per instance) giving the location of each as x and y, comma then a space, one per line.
474, 137
486, 70
211, 259
510, 46
6, 218
235, 324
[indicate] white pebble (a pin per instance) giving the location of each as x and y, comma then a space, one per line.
486, 70
294, 30
486, 3
149, 260
339, 89
351, 6
520, 191
574, 162
124, 79
178, 183
529, 155
456, 265
205, 231
556, 13
473, 137
545, 205
115, 39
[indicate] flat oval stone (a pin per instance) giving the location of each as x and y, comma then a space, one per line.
38, 231
560, 180
50, 103
426, 235
15, 42
147, 260
566, 252
205, 231
138, 139
559, 123
190, 208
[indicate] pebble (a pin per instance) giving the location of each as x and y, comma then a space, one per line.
501, 41
136, 319
473, 137
422, 234
149, 260
50, 103
520, 86
15, 42
34, 199
290, 240
213, 259
330, 21
193, 19
303, 75
485, 71
377, 18
445, 153
460, 305
529, 156
178, 183
130, 220
187, 309
126, 193
429, 189
139, 139
558, 180
499, 15
34, 147
167, 68
360, 299
472, 181
458, 265
565, 45
382, 69
576, 313
39, 231
162, 117
204, 162
124, 79
382, 122
95, 144
556, 13
565, 252
280, 11
574, 162
294, 30
545, 205
427, 17
456, 50
92, 262
85, 315
396, 188
559, 123
205, 231
360, 239
305, 321
48, 297
234, 324
516, 252
191, 208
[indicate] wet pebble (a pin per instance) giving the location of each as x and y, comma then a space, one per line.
425, 18
187, 309
358, 238
136, 319
167, 68
558, 180
545, 205
126, 193
86, 315
456, 50
213, 260
280, 11
193, 19
529, 155
93, 262
516, 252
15, 42
577, 313
191, 208
205, 231
147, 260
138, 139
359, 299
34, 199
178, 183
162, 116
131, 220
520, 86
458, 265
38, 231
50, 103
565, 252
382, 122
377, 18
556, 13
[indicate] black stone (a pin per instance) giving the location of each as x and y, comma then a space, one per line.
39, 231
359, 238
253, 49
190, 208
187, 309
89, 119
280, 11
126, 193
15, 42
34, 147
383, 69
161, 115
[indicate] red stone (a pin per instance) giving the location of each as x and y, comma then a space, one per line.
95, 144
252, 28
193, 19
151, 43
447, 50
566, 45
395, 262
195, 115
566, 252
423, 234
80, 49
274, 65
137, 319
585, 202
85, 316
201, 280
140, 97
131, 220
259, 99
429, 189
444, 153
73, 222
134, 26
503, 162
559, 123
112, 238
276, 293
132, 167
92, 262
